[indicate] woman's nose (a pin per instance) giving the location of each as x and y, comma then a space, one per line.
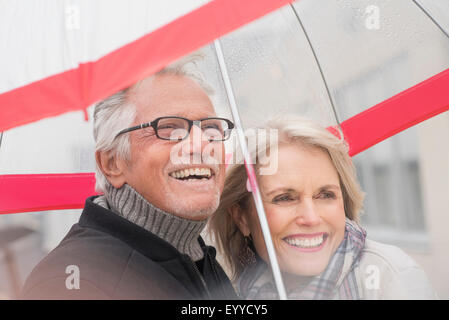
307, 213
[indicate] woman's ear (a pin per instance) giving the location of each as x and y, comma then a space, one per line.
112, 168
240, 219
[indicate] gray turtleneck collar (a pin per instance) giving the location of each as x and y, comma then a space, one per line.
181, 233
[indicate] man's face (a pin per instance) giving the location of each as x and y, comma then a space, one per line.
153, 165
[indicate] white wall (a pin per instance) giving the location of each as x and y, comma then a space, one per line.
434, 161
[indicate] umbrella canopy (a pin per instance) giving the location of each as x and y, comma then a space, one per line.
57, 56
331, 61
374, 68
326, 61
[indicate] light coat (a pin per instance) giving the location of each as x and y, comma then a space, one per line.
387, 272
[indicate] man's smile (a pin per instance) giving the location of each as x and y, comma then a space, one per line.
199, 178
193, 173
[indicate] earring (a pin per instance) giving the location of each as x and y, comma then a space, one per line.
247, 256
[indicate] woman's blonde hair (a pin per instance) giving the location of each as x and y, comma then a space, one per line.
225, 232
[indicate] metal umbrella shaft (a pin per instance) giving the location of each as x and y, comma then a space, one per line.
427, 13
251, 174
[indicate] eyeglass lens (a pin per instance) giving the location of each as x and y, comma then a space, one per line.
178, 129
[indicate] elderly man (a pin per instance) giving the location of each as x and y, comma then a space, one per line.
160, 166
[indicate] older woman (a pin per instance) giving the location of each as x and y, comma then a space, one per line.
312, 204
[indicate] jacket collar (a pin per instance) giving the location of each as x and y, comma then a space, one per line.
147, 243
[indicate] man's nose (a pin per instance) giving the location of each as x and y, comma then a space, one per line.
308, 214
196, 139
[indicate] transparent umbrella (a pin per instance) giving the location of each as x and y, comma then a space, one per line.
374, 68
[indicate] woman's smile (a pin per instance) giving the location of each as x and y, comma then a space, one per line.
307, 242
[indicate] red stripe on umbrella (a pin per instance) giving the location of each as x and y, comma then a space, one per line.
41, 192
412, 106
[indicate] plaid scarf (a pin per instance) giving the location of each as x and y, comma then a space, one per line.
337, 281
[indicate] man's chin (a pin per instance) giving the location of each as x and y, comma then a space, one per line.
193, 206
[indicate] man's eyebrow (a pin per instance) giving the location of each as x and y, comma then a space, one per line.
178, 114
183, 115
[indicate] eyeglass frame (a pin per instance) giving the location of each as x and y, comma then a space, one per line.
155, 122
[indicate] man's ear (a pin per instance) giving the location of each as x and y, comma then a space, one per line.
112, 168
240, 219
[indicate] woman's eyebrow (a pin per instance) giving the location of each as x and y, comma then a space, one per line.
329, 186
285, 189
280, 189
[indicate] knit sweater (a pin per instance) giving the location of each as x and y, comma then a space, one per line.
181, 233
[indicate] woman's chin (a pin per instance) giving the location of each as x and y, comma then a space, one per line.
306, 264
307, 270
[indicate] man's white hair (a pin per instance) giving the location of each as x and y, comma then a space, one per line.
116, 113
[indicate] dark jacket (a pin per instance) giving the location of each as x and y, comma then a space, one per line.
117, 259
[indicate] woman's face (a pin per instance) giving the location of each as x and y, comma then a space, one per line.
304, 206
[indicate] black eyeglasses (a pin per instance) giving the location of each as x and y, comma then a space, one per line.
178, 128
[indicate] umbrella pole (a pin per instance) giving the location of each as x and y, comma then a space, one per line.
251, 174
317, 63
430, 17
